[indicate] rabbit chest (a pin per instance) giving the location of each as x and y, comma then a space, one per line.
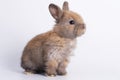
59, 48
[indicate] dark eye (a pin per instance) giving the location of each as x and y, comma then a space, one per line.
72, 22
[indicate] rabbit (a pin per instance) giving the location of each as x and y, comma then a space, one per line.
48, 53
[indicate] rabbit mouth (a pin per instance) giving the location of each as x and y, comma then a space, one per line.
79, 30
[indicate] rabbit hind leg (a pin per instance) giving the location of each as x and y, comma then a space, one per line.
30, 67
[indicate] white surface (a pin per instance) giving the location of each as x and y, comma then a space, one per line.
97, 56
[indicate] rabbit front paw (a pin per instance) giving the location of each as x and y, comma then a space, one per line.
50, 73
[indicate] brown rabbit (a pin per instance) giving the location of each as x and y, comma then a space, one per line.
49, 52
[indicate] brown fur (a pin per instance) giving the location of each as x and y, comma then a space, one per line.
49, 52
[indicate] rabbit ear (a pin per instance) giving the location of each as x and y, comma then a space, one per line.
55, 11
65, 6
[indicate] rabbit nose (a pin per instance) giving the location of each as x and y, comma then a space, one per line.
82, 26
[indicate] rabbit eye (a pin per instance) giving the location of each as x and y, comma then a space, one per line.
72, 22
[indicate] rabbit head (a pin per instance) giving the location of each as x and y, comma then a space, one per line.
68, 23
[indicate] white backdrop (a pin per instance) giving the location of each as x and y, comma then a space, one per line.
97, 56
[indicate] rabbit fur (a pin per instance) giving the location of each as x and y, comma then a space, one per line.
49, 52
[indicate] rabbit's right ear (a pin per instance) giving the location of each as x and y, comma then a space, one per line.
65, 6
55, 11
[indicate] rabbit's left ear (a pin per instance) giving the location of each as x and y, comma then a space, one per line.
65, 6
55, 11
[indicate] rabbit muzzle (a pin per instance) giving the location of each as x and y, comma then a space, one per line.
79, 29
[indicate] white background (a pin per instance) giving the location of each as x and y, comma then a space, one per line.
97, 56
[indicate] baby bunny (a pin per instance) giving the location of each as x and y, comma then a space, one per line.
49, 52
